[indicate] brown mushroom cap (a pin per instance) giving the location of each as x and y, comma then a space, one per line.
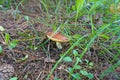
58, 37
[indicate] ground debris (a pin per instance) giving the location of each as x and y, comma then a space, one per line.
6, 71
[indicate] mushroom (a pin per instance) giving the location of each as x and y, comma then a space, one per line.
58, 38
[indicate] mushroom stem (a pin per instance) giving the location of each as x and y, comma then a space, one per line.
58, 44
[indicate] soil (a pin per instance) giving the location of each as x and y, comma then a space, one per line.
38, 64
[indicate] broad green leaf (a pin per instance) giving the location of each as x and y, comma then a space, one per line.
90, 64
83, 72
70, 69
90, 76
67, 59
56, 78
77, 67
7, 38
25, 76
2, 28
26, 17
75, 52
13, 44
14, 78
76, 76
1, 50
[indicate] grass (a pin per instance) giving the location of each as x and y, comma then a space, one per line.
103, 31
64, 54
66, 16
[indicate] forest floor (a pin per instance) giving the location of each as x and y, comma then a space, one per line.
30, 59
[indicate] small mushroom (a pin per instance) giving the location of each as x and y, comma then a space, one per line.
58, 38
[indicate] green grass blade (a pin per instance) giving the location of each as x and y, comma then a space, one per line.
109, 70
79, 6
93, 39
64, 54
